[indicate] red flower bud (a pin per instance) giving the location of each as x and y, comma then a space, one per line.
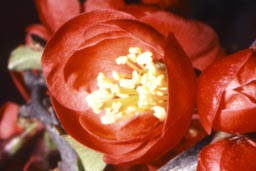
226, 94
229, 154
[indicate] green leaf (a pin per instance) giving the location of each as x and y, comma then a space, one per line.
91, 160
24, 58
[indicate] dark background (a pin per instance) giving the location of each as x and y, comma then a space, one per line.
233, 20
15, 17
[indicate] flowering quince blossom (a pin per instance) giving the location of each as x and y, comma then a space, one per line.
226, 94
118, 86
229, 154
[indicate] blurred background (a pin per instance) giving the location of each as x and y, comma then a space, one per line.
233, 20
15, 17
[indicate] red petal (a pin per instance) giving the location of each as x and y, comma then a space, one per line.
140, 128
236, 121
38, 30
68, 39
239, 155
8, 120
189, 33
90, 5
235, 153
198, 40
71, 124
54, 13
247, 73
143, 127
210, 156
213, 82
181, 91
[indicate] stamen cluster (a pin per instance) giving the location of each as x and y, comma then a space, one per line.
123, 96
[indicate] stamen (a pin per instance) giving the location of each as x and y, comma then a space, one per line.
135, 50
144, 58
159, 112
124, 96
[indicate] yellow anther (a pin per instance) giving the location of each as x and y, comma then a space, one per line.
121, 60
136, 77
131, 110
151, 68
126, 83
159, 112
114, 108
115, 89
135, 50
115, 75
144, 58
132, 57
103, 81
108, 119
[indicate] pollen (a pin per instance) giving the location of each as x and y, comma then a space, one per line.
120, 97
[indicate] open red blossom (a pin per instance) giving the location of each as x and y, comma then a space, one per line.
89, 44
227, 94
229, 154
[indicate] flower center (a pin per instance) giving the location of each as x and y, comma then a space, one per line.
123, 96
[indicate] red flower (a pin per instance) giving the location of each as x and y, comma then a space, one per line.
229, 154
89, 44
226, 94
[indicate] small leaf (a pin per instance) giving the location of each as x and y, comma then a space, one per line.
24, 58
92, 160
